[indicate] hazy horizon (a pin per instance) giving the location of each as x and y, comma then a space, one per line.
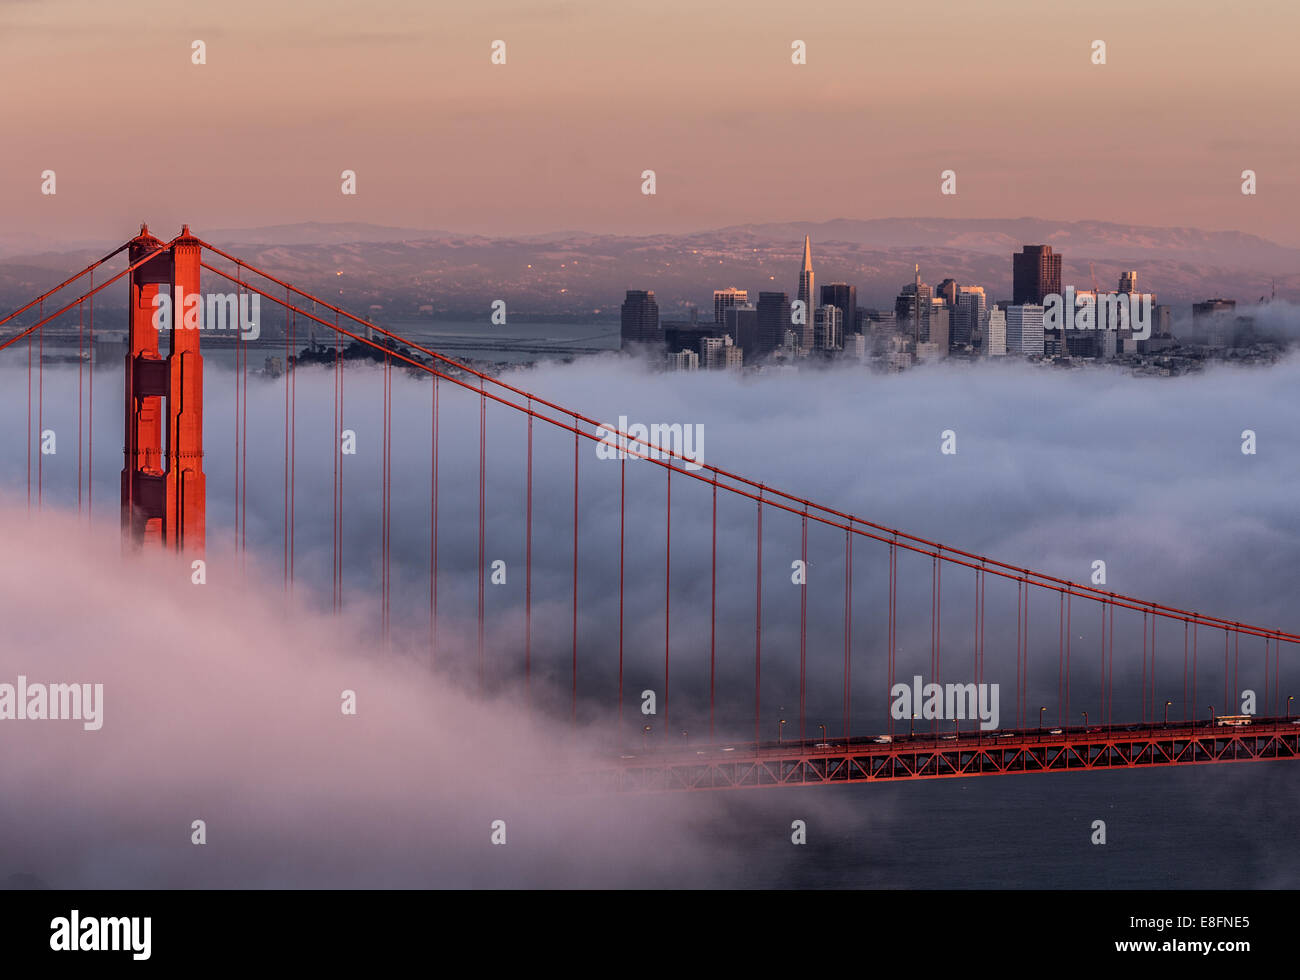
218, 229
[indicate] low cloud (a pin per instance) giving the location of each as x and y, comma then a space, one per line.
222, 702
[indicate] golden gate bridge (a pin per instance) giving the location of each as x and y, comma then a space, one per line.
164, 505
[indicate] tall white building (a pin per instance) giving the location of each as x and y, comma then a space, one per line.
995, 343
1025, 330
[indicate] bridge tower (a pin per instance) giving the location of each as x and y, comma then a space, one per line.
164, 494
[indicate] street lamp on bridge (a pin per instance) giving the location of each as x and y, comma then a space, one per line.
823, 728
780, 732
1289, 699
1040, 717
1085, 721
644, 732
1167, 704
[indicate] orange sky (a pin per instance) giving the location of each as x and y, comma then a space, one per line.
403, 92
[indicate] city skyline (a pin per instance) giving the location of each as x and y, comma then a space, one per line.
1042, 318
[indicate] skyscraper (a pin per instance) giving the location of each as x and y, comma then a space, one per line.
828, 328
1211, 321
996, 344
913, 316
968, 316
806, 278
741, 325
939, 326
1035, 272
723, 298
844, 297
640, 318
1025, 329
773, 322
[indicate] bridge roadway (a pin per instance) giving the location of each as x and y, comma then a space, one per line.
929, 755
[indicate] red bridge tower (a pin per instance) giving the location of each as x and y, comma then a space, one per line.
164, 496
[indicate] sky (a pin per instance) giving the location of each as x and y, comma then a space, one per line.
404, 93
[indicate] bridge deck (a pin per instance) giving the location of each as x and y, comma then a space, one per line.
927, 756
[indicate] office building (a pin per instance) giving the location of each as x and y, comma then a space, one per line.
828, 329
844, 297
805, 292
1025, 329
968, 315
912, 309
939, 326
725, 298
1212, 321
640, 318
773, 321
713, 354
741, 324
1035, 272
995, 345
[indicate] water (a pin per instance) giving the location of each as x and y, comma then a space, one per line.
1195, 827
